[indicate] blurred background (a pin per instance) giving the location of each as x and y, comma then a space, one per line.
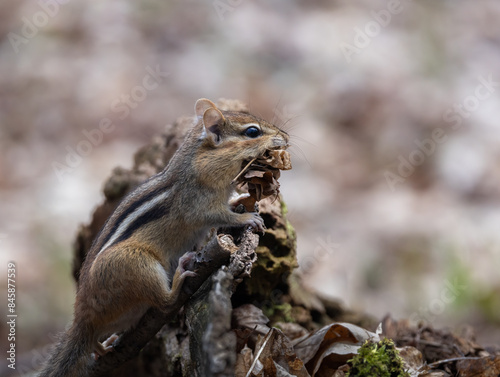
393, 107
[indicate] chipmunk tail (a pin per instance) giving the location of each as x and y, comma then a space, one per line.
72, 355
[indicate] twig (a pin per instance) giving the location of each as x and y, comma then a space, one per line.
243, 170
436, 363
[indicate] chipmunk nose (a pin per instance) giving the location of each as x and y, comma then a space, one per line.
280, 142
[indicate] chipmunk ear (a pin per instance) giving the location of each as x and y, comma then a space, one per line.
201, 106
213, 120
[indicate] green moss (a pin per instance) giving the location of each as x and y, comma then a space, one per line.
377, 359
276, 256
284, 208
290, 230
279, 312
464, 292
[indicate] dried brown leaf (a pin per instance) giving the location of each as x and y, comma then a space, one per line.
479, 367
250, 317
279, 159
331, 346
260, 176
412, 358
243, 362
246, 201
291, 330
275, 356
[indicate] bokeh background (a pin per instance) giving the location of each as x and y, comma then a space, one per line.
393, 107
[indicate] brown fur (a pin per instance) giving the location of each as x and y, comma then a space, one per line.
120, 282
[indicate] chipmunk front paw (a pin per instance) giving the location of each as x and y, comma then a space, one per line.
255, 221
105, 347
184, 263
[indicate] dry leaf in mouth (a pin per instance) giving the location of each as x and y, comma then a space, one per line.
261, 178
262, 184
279, 159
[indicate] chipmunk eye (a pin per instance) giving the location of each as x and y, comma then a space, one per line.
252, 132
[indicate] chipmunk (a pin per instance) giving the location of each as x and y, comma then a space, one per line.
139, 258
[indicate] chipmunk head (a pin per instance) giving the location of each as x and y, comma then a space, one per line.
230, 138
228, 127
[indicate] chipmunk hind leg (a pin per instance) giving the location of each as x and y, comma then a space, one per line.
119, 288
169, 287
129, 279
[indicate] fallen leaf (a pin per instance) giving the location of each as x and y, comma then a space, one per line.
327, 349
412, 359
248, 322
479, 367
291, 330
275, 356
243, 362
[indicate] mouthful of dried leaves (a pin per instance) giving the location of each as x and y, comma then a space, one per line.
260, 176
